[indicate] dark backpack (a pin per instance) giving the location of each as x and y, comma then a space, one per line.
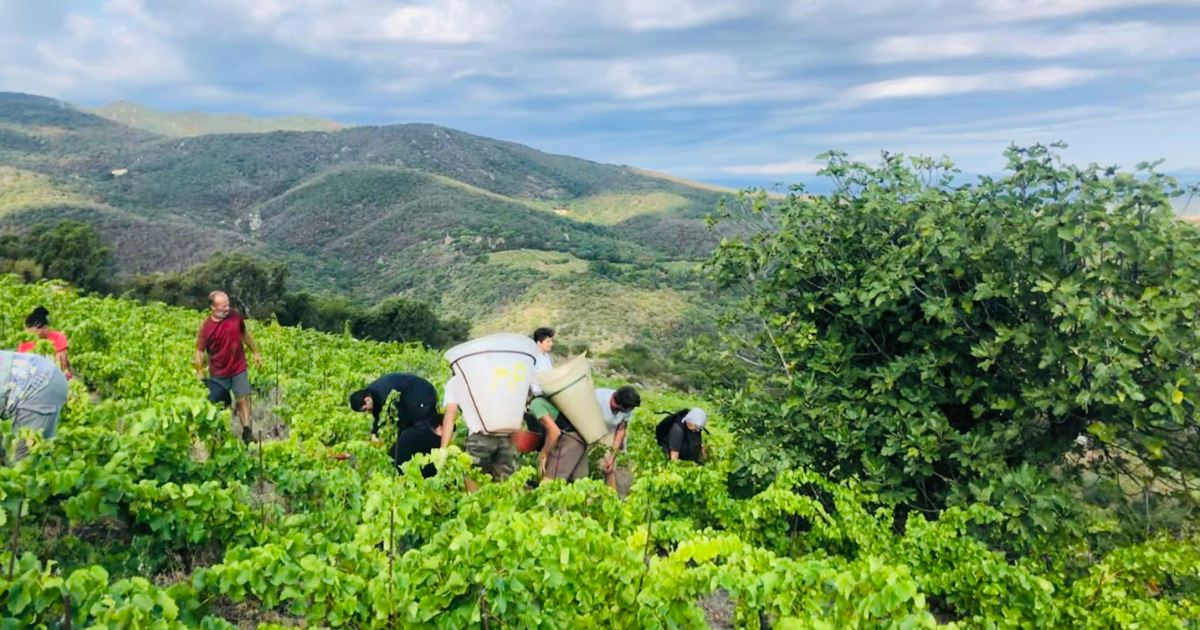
664, 426
692, 440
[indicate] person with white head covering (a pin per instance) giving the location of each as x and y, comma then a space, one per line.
681, 435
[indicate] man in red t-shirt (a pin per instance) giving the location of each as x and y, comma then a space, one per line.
220, 341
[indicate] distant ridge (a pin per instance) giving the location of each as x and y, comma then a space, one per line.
189, 124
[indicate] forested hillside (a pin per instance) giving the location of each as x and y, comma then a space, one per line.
366, 212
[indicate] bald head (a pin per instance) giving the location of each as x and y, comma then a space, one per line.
219, 303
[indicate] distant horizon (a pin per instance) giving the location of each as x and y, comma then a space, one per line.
811, 181
1187, 173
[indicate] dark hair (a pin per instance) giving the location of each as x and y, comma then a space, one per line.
38, 318
358, 399
627, 397
542, 333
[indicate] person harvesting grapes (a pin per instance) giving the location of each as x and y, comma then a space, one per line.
38, 323
617, 408
221, 343
681, 435
33, 392
413, 406
495, 454
544, 338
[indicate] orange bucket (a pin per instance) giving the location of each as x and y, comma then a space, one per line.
527, 441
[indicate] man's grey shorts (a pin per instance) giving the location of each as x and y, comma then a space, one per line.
239, 384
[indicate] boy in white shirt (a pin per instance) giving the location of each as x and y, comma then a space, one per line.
544, 338
617, 407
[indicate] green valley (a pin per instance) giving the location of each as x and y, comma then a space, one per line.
369, 212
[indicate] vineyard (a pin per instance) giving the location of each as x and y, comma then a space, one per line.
145, 512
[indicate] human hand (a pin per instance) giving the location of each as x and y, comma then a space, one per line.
258, 359
610, 464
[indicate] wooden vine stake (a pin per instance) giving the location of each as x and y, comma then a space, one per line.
262, 503
16, 532
483, 609
646, 553
392, 567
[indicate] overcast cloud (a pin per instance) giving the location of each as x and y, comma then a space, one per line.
725, 91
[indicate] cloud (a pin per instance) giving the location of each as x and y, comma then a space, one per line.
643, 15
685, 80
943, 85
1040, 9
136, 10
452, 22
776, 168
114, 54
1133, 39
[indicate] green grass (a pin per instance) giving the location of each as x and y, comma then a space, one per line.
613, 208
553, 264
20, 189
602, 314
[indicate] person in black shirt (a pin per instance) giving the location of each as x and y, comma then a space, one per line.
681, 435
414, 410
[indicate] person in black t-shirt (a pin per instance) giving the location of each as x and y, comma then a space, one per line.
415, 413
416, 404
681, 435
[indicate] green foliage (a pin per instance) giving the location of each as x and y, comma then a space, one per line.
68, 250
327, 313
207, 530
255, 287
405, 320
933, 338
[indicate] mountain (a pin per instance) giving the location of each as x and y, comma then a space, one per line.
495, 231
186, 124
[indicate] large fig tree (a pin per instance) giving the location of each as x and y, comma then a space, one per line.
931, 336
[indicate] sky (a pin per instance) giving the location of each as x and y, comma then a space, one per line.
734, 92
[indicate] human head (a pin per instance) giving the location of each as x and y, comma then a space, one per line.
625, 399
544, 337
38, 322
219, 303
696, 419
361, 401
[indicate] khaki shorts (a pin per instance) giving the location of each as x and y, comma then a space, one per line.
494, 454
568, 460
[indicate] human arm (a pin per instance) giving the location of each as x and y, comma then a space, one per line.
675, 441
448, 424
199, 358
552, 435
61, 347
610, 460
249, 341
64, 363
